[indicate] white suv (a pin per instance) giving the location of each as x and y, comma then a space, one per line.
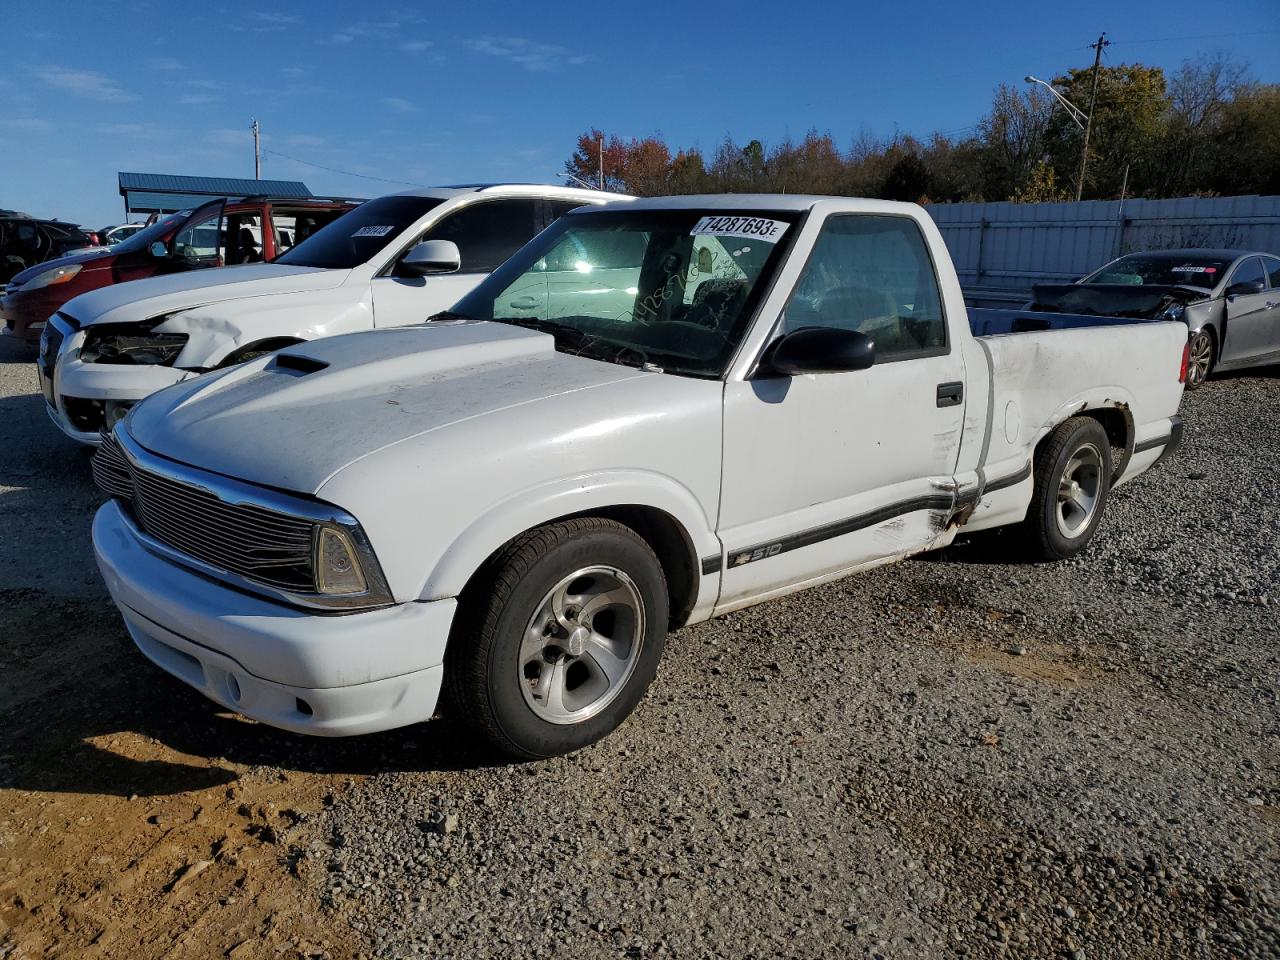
389, 262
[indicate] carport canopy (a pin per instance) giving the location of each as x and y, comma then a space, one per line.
146, 193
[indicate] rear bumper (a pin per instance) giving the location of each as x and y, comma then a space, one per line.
324, 675
22, 319
1175, 438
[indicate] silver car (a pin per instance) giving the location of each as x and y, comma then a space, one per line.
1230, 300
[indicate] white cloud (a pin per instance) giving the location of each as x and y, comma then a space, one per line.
84, 83
304, 140
530, 54
164, 63
27, 124
400, 105
417, 46
381, 29
280, 18
226, 137
198, 99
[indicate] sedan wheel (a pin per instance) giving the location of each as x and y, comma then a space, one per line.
1199, 359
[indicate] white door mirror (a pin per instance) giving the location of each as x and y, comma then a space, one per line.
431, 256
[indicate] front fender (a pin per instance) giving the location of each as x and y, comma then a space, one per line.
550, 501
217, 330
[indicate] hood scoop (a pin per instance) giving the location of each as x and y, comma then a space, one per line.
293, 363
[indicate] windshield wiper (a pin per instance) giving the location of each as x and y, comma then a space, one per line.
580, 342
445, 316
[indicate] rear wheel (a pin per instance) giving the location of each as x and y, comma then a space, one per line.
1202, 354
558, 638
1072, 472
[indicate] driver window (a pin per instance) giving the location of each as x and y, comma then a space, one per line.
1249, 272
199, 241
872, 274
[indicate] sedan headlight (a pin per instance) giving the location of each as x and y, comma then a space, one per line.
133, 344
50, 277
1174, 311
337, 563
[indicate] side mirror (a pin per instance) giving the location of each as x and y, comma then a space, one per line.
818, 350
431, 256
1246, 288
159, 249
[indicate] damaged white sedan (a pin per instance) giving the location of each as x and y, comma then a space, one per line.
389, 262
652, 414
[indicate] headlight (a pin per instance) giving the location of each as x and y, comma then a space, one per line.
1174, 311
50, 277
131, 345
337, 563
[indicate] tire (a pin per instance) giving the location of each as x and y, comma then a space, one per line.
557, 638
1202, 356
1062, 518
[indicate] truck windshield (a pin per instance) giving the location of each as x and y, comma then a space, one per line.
1166, 270
671, 288
359, 234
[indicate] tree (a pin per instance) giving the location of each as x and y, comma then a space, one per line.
1128, 117
1014, 138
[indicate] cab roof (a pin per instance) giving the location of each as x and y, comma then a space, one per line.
514, 190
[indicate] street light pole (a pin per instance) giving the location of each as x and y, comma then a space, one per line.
1088, 120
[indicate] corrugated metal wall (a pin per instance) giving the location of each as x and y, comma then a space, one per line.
1006, 247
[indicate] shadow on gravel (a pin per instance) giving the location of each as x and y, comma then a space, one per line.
15, 351
994, 547
85, 712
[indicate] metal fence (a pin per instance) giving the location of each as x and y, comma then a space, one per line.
1001, 249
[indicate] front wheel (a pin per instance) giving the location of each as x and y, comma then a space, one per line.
1072, 472
558, 637
1201, 355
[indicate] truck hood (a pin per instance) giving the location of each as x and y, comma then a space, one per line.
153, 296
293, 420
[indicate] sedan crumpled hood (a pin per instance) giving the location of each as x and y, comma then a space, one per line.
153, 296
293, 420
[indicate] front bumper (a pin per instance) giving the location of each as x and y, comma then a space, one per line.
77, 394
325, 675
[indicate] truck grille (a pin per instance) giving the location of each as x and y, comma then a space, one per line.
261, 545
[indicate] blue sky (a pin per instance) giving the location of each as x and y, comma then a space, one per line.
440, 93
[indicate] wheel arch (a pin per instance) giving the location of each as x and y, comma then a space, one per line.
666, 516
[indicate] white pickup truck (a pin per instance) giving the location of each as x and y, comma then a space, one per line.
373, 267
652, 414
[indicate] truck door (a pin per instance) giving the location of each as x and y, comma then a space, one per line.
824, 472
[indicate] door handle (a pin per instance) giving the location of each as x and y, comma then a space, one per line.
950, 394
524, 303
1272, 304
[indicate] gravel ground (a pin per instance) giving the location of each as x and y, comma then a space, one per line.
952, 757
955, 756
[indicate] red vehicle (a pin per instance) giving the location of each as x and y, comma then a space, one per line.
218, 233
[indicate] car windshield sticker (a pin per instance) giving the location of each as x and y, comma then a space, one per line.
1195, 269
373, 231
748, 228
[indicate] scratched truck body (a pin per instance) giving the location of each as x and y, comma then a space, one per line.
652, 414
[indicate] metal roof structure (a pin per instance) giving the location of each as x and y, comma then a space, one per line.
165, 193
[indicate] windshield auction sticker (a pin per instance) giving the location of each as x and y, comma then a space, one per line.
1195, 269
373, 231
748, 228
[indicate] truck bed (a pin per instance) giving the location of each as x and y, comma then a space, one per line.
990, 322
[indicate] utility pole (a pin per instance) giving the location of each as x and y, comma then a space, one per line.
602, 163
1093, 102
257, 153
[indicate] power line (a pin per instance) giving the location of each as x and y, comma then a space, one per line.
345, 173
1202, 36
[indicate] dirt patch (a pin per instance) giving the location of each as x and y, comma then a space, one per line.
136, 819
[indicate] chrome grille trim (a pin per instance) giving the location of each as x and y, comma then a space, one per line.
250, 537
